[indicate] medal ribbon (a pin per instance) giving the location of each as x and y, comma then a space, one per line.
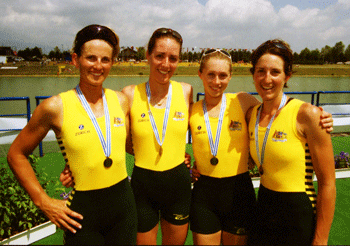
261, 158
214, 147
166, 115
106, 146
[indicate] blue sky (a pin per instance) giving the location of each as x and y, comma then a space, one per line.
227, 24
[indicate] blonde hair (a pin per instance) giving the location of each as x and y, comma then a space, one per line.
216, 54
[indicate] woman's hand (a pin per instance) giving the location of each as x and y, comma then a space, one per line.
326, 120
66, 177
188, 160
59, 214
195, 173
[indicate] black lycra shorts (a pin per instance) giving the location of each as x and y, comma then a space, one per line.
109, 216
284, 218
167, 193
227, 204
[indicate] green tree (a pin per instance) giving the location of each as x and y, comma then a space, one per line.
338, 52
296, 59
196, 56
55, 53
26, 54
184, 56
347, 53
190, 56
304, 56
326, 54
36, 52
315, 57
141, 53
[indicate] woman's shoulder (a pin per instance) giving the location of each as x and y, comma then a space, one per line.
185, 86
308, 111
52, 104
188, 92
128, 91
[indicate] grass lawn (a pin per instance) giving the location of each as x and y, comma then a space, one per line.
54, 163
338, 234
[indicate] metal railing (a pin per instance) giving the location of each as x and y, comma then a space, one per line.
27, 114
37, 100
339, 110
311, 93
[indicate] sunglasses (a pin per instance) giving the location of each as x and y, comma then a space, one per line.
274, 44
97, 32
162, 31
211, 51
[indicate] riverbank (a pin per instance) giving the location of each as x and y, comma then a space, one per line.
138, 69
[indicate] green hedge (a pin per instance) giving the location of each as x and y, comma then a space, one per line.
17, 211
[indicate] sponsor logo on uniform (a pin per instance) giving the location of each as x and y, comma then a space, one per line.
179, 116
279, 136
118, 122
180, 217
199, 128
81, 132
143, 115
235, 126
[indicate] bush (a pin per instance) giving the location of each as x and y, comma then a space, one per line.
342, 160
17, 211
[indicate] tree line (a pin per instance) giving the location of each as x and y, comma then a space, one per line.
328, 54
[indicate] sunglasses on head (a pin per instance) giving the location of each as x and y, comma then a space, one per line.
211, 51
168, 30
97, 32
274, 44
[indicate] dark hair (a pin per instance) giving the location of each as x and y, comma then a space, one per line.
160, 33
276, 47
96, 32
215, 53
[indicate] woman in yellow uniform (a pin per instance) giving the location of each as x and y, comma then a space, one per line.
223, 206
223, 200
91, 125
159, 110
288, 144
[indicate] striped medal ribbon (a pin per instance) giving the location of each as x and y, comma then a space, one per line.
261, 158
106, 145
214, 146
166, 116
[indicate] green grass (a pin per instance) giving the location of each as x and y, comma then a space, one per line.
337, 236
54, 164
341, 144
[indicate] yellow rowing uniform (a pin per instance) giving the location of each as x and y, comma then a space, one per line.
233, 149
82, 149
287, 163
146, 148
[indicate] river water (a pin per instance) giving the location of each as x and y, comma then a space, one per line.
47, 86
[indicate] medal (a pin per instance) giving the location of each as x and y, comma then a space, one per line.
108, 162
106, 145
261, 157
214, 146
166, 116
214, 161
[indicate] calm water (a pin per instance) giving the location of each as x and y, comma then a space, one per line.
47, 86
